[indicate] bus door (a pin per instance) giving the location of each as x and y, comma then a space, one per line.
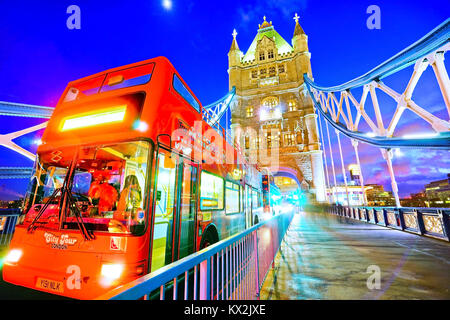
187, 208
164, 209
248, 206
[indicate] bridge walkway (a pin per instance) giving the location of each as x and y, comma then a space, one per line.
326, 256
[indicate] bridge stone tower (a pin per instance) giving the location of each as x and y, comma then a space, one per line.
272, 99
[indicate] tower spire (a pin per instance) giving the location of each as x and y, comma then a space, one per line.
298, 29
234, 45
234, 55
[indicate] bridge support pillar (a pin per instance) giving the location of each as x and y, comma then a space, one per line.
327, 180
361, 179
332, 164
343, 167
442, 77
387, 155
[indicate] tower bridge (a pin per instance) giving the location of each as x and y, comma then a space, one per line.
275, 106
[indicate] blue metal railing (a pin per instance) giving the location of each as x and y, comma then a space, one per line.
231, 269
8, 220
431, 222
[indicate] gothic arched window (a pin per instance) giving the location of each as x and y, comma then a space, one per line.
272, 71
262, 73
292, 105
270, 102
262, 56
249, 112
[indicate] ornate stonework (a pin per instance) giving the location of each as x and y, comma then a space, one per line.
271, 99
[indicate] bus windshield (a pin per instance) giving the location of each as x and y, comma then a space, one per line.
108, 187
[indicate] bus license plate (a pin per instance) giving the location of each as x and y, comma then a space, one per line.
52, 285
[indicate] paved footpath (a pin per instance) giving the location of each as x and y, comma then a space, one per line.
327, 257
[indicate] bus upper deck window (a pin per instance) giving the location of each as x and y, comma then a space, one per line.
184, 92
84, 88
111, 81
128, 77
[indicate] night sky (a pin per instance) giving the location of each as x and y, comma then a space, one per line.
39, 55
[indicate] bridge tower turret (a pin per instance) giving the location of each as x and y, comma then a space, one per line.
234, 60
300, 44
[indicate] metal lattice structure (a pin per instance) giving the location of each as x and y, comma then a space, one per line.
7, 140
216, 110
24, 110
335, 103
15, 172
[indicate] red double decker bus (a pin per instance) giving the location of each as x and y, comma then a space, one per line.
112, 197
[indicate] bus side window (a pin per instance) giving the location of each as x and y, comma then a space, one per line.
164, 206
241, 200
255, 202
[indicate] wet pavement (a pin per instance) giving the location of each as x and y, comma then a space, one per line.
327, 257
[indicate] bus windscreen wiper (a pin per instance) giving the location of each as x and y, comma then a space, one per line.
33, 225
69, 203
88, 234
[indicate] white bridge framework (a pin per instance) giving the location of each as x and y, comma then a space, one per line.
336, 103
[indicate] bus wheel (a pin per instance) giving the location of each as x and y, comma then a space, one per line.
207, 240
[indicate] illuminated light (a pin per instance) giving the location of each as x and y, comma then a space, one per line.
370, 134
420, 135
37, 142
167, 4
112, 115
398, 153
141, 126
13, 256
354, 169
268, 81
266, 235
112, 271
272, 114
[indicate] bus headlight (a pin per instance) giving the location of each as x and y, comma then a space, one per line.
13, 256
112, 271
